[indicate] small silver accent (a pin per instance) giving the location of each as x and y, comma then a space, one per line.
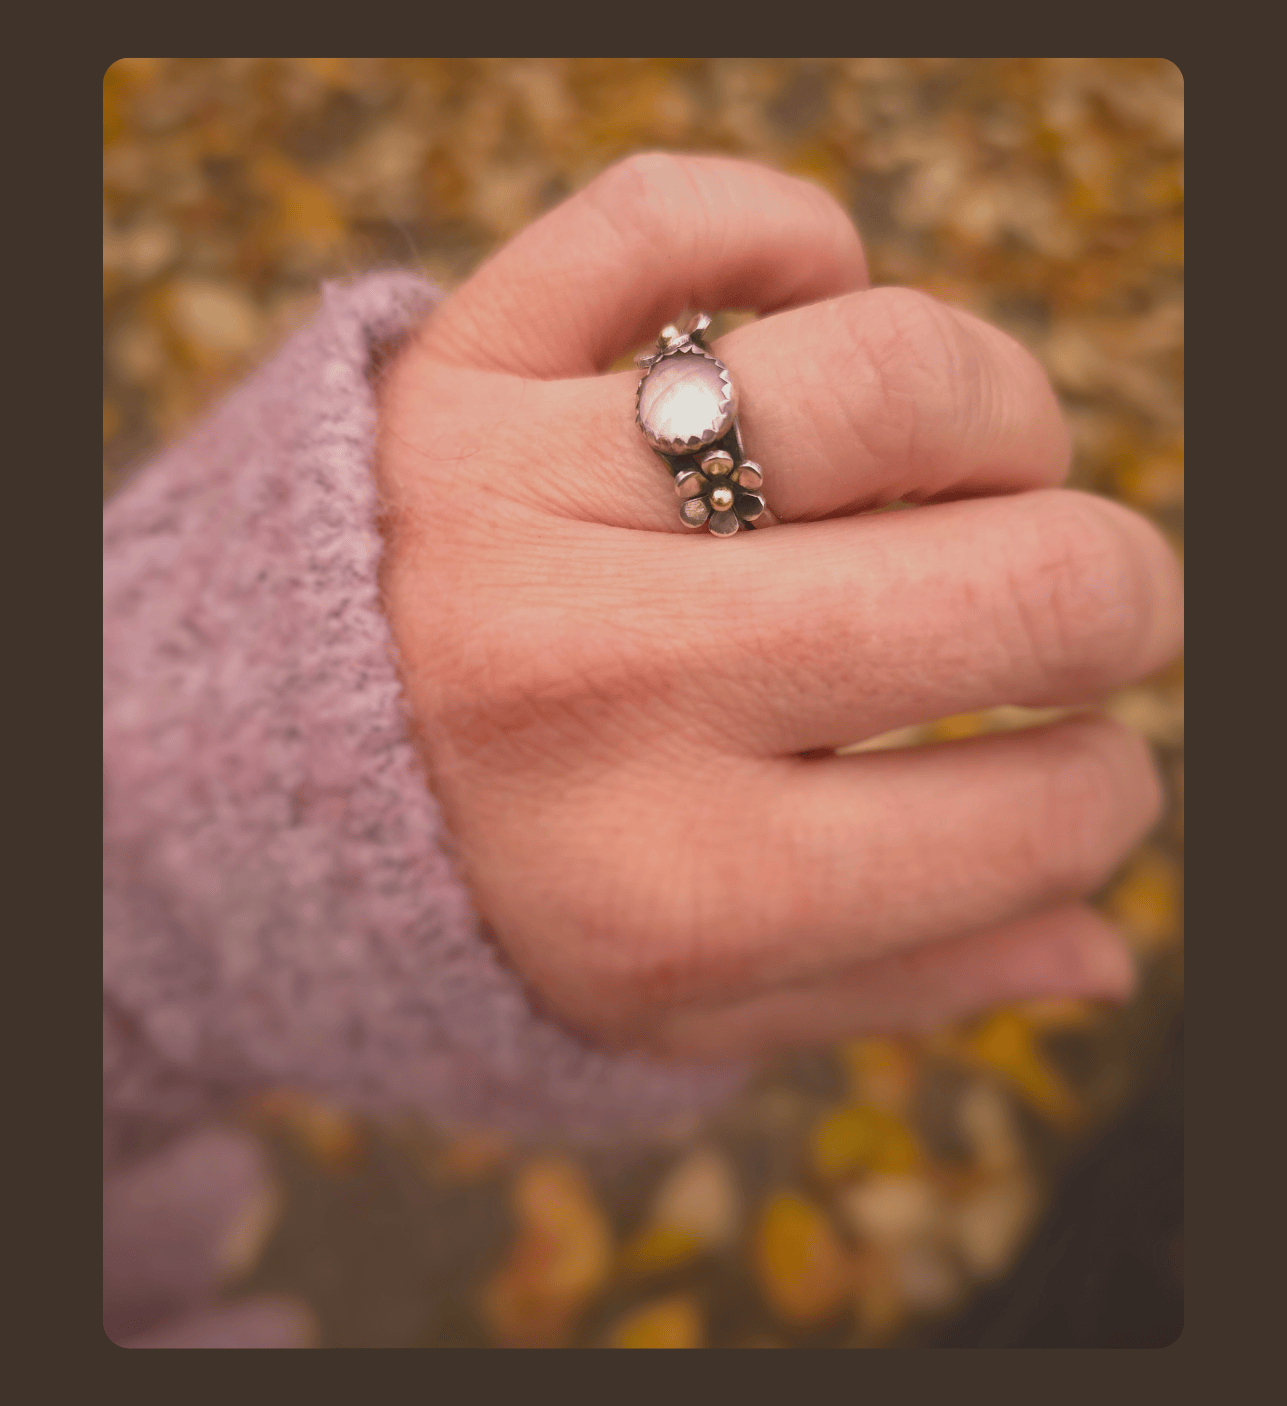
750, 506
689, 483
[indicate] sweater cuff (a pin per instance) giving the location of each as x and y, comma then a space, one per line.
279, 905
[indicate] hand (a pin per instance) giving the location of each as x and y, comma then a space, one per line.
621, 719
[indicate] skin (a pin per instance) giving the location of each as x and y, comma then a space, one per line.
630, 727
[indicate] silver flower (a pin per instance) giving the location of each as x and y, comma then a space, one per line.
717, 494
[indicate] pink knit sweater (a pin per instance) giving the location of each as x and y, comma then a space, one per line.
279, 908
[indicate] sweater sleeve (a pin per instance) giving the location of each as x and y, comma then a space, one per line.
279, 906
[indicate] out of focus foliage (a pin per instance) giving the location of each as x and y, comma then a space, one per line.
853, 1194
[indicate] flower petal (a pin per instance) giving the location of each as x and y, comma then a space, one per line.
718, 461
694, 511
749, 506
749, 474
690, 482
725, 524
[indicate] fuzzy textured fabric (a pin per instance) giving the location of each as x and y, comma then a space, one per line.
279, 906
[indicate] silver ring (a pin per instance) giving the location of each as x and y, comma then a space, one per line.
686, 406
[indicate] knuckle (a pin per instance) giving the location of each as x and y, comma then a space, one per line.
637, 189
644, 169
905, 347
527, 684
677, 193
651, 199
824, 210
619, 951
561, 901
1082, 606
666, 922
945, 382
645, 937
902, 328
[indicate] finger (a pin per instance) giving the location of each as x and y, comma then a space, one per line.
602, 273
794, 870
846, 404
1068, 952
824, 634
891, 394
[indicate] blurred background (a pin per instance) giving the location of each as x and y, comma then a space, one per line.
1012, 1180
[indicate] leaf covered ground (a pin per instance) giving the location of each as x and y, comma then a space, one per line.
855, 1195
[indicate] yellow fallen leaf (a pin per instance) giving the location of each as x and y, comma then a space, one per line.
124, 78
1004, 1042
331, 71
330, 1136
1145, 902
670, 1322
961, 725
113, 123
658, 1247
1165, 187
1165, 243
305, 214
561, 1256
1152, 480
862, 1138
448, 188
800, 1265
1059, 1013
882, 1072
816, 163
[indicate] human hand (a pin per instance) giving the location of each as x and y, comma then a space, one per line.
622, 720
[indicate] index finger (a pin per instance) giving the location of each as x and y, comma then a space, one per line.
601, 273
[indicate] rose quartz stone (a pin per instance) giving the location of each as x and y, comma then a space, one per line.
685, 402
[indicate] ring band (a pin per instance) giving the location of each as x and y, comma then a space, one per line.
686, 406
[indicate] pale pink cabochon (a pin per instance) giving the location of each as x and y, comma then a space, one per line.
686, 401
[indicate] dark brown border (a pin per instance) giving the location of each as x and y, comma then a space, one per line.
54, 987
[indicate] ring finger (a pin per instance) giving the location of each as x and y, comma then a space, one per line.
846, 404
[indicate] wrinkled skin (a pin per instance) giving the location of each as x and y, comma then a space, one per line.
630, 727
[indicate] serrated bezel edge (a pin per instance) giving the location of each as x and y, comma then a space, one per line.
690, 445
